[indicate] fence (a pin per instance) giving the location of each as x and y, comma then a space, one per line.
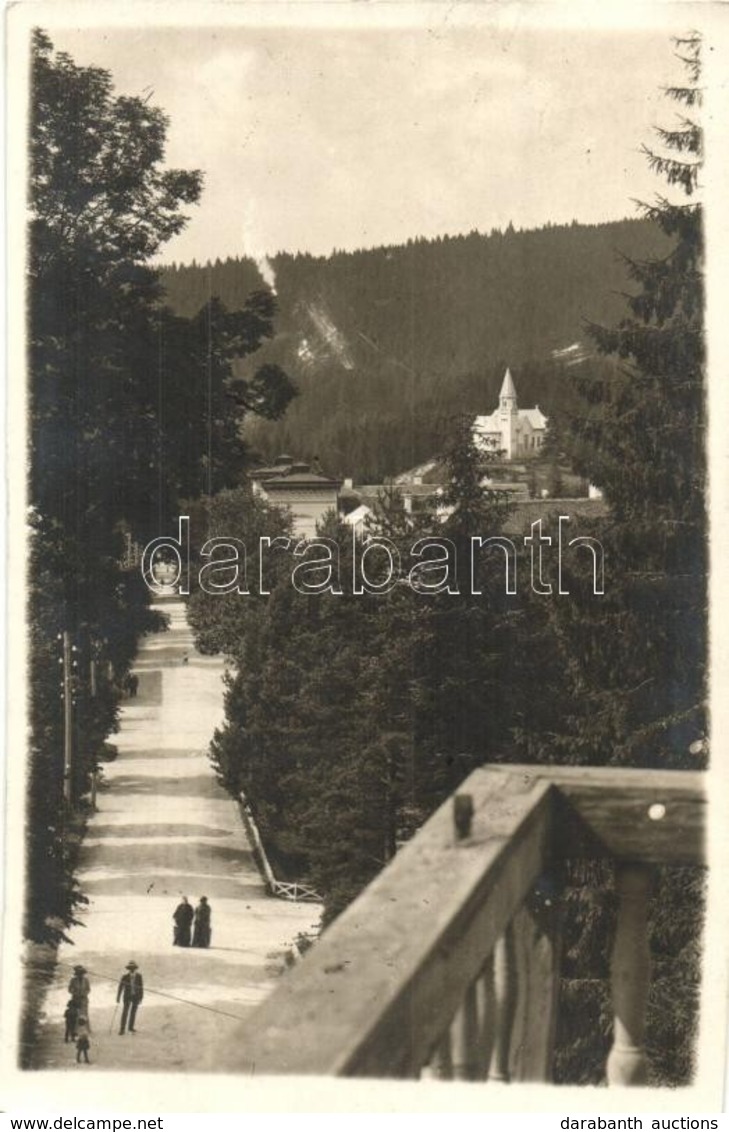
286, 890
448, 964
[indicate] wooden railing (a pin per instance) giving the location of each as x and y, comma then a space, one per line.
296, 890
447, 965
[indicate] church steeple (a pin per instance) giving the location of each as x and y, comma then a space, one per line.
514, 432
507, 396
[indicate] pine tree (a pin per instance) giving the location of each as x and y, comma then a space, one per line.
635, 659
632, 663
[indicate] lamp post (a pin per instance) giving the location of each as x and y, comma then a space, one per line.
68, 685
67, 696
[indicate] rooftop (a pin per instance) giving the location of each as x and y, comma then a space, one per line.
287, 473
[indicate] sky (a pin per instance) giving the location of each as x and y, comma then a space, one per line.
320, 137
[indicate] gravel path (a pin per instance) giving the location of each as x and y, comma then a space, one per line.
163, 828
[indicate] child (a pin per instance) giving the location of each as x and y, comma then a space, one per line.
71, 1016
82, 1039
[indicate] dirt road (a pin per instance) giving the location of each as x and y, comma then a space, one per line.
165, 828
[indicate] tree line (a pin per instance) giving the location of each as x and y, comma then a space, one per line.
132, 409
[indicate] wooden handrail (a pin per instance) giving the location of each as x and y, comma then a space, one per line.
404, 973
286, 890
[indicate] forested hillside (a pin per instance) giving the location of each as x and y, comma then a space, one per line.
385, 344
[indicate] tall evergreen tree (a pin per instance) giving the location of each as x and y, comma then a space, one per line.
635, 659
631, 664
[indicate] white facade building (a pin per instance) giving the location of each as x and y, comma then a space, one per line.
518, 433
308, 495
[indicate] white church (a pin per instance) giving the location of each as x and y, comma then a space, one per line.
518, 433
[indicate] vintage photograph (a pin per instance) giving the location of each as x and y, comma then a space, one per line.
360, 488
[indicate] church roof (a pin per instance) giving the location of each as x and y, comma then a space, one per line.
491, 423
535, 417
488, 423
508, 389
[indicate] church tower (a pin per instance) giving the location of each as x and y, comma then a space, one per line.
508, 415
517, 433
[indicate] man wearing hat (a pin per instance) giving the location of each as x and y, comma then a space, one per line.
131, 988
79, 989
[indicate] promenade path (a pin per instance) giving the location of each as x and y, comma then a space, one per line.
164, 828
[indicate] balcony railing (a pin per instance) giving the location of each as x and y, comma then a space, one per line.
447, 965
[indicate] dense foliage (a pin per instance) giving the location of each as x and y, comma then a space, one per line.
351, 716
130, 408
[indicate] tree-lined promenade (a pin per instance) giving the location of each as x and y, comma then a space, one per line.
163, 829
132, 410
349, 716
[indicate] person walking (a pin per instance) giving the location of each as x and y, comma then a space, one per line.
70, 1015
202, 931
183, 917
83, 1042
79, 989
131, 991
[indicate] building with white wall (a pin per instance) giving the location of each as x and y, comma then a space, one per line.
518, 433
306, 493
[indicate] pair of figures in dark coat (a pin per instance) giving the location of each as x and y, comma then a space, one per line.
77, 1007
183, 917
195, 924
76, 1014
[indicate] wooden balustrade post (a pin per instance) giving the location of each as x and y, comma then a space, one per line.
465, 1038
486, 1001
630, 976
537, 931
442, 1060
505, 1003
